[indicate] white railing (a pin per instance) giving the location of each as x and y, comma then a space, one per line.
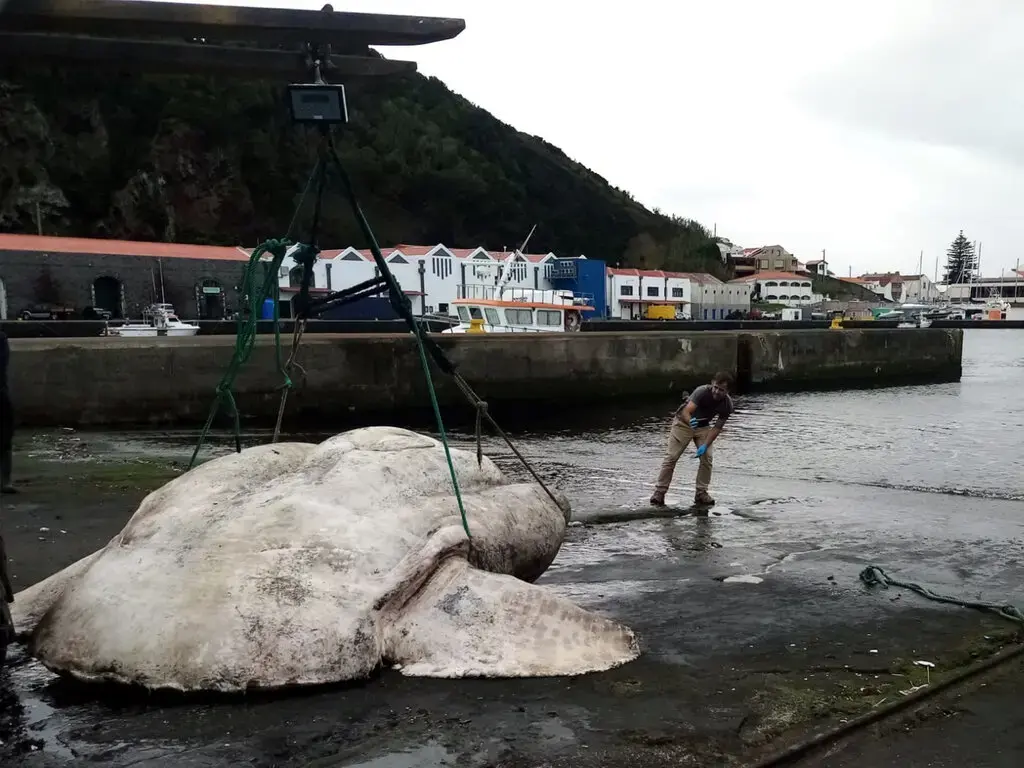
509, 293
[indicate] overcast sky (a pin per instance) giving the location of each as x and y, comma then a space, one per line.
872, 129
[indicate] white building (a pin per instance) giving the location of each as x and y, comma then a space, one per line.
730, 249
632, 291
787, 288
432, 276
892, 286
716, 300
693, 295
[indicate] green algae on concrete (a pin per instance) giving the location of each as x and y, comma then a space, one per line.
793, 702
51, 461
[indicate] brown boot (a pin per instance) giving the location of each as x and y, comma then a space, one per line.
703, 498
658, 499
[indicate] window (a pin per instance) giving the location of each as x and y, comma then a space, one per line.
463, 314
652, 290
805, 297
626, 290
677, 293
763, 264
493, 318
549, 317
770, 284
705, 314
771, 297
441, 266
784, 283
519, 316
783, 297
475, 313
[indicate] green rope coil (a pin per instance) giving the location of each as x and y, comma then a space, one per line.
875, 576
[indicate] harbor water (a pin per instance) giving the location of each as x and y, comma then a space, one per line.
925, 481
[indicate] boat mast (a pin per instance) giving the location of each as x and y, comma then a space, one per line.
506, 272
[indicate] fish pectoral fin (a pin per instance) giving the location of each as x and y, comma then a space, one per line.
32, 603
465, 622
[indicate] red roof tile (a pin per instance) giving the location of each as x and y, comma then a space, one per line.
414, 250
464, 253
98, 247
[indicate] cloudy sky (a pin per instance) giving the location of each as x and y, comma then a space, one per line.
874, 130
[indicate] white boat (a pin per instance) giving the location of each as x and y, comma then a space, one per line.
500, 309
157, 320
518, 310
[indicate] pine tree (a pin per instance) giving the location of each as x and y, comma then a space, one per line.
961, 260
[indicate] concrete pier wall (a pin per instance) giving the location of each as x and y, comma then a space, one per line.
111, 382
816, 359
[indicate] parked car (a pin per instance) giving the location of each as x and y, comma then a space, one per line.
96, 313
46, 312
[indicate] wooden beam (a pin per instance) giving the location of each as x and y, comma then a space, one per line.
184, 58
129, 18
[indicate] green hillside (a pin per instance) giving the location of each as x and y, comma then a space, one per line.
196, 160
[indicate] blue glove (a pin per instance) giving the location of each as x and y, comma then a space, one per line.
701, 451
693, 422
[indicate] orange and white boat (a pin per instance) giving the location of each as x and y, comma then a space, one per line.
517, 310
501, 309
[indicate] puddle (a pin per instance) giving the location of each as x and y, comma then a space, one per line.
422, 757
742, 579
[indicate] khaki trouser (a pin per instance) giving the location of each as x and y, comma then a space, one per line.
679, 437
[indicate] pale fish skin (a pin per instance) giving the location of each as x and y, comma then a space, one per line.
300, 564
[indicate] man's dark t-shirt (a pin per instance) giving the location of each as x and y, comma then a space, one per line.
707, 407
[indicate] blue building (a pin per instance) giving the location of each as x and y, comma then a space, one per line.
586, 278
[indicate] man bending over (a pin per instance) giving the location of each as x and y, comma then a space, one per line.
692, 421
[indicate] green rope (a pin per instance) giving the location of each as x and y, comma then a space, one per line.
245, 336
873, 575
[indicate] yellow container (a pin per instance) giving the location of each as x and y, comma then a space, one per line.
661, 312
476, 326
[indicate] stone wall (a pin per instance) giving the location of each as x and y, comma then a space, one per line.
72, 277
824, 358
119, 382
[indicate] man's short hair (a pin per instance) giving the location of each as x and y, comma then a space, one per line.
723, 378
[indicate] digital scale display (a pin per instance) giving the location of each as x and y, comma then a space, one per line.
322, 103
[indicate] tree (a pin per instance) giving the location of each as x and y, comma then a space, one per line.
961, 260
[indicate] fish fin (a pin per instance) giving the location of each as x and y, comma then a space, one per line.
32, 603
466, 622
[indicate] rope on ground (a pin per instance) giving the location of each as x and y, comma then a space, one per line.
875, 576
